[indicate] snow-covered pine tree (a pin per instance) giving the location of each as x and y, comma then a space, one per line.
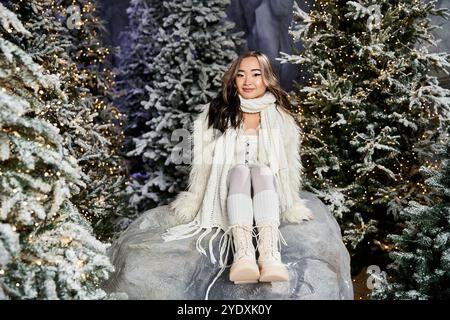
47, 249
370, 111
421, 268
105, 200
84, 119
138, 49
197, 46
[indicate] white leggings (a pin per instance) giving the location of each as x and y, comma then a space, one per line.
242, 209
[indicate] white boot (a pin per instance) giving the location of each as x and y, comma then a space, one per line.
269, 260
244, 268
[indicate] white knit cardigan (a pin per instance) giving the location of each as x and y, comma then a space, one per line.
203, 206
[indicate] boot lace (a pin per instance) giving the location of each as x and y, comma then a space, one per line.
272, 238
243, 240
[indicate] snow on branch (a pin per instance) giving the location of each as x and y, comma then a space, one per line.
9, 21
37, 79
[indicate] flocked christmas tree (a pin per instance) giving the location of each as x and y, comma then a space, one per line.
196, 48
47, 249
421, 268
66, 42
105, 200
370, 112
138, 50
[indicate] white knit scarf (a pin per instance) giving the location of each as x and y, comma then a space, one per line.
257, 104
271, 122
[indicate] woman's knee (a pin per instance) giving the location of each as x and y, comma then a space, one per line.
262, 178
262, 171
238, 172
240, 169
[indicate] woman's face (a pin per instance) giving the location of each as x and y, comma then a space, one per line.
249, 81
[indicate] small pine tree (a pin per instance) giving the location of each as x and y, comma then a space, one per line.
371, 112
47, 249
103, 203
195, 49
421, 267
138, 50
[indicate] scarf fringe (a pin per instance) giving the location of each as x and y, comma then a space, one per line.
193, 228
198, 243
181, 231
211, 254
224, 249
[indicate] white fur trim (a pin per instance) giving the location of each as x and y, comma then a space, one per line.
185, 206
297, 213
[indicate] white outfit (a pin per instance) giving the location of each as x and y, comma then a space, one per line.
205, 203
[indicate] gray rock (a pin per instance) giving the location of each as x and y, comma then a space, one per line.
148, 268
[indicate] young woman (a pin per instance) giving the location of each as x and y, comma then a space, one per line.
245, 174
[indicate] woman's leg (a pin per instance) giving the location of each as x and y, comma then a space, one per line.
239, 201
265, 198
240, 214
267, 218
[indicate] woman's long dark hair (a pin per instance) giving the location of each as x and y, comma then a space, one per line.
224, 110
